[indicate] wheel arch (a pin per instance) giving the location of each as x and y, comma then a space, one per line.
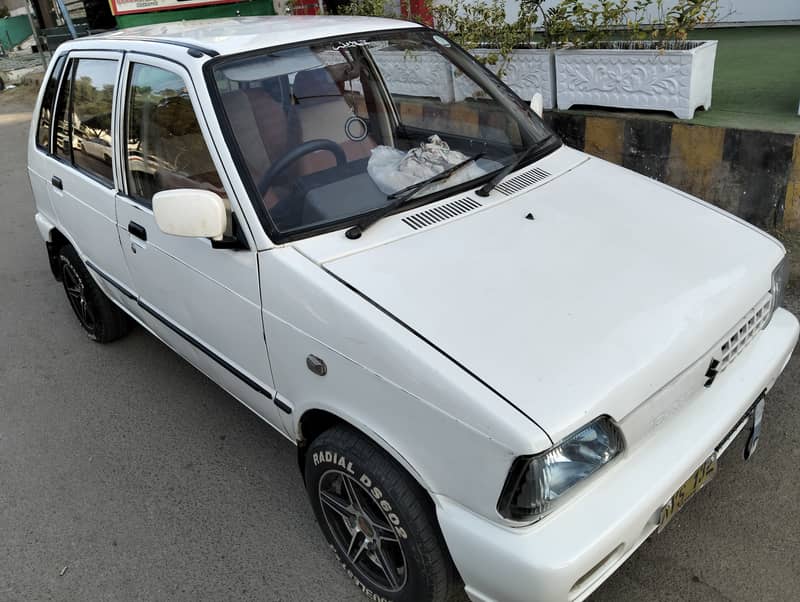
315, 421
55, 242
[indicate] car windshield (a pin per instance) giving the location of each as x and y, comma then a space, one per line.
327, 131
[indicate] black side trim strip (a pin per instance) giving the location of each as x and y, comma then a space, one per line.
121, 288
282, 406
190, 339
440, 350
187, 337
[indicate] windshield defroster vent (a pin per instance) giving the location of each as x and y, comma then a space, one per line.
522, 181
426, 218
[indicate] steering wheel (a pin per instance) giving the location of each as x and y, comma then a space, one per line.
296, 153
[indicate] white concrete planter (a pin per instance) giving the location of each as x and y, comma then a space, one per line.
528, 71
678, 81
424, 74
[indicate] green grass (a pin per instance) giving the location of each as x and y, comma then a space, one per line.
756, 78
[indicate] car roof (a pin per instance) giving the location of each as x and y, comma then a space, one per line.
239, 34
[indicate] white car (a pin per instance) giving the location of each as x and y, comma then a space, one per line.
505, 363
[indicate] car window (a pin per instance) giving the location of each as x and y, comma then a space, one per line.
165, 146
460, 110
365, 117
63, 148
92, 96
83, 117
46, 111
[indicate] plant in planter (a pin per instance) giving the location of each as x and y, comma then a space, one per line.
483, 24
506, 48
482, 28
369, 8
653, 67
420, 74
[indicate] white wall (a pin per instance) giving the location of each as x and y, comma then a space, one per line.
13, 4
748, 11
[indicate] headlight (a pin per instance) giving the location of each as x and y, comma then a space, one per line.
536, 483
780, 278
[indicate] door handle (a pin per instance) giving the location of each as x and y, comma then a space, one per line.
57, 183
136, 230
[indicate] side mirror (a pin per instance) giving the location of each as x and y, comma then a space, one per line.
537, 104
190, 212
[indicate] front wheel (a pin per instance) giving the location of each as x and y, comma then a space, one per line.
377, 519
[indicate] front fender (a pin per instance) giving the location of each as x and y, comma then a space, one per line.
450, 431
444, 454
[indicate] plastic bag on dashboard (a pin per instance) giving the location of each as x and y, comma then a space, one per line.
393, 170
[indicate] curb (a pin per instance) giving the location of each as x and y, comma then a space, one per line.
753, 174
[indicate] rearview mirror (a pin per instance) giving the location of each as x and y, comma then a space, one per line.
190, 212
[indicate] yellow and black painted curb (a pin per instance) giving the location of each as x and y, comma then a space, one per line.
753, 174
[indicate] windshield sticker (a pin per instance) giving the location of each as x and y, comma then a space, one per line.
441, 41
349, 44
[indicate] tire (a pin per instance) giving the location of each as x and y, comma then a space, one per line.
377, 519
103, 321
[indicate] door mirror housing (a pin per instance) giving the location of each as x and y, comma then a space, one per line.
190, 212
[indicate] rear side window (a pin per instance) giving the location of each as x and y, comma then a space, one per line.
165, 146
92, 97
83, 116
46, 112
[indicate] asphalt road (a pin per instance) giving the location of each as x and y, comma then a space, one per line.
125, 474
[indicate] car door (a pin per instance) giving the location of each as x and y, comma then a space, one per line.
202, 299
40, 151
80, 166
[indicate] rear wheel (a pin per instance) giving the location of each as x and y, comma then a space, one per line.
101, 319
377, 519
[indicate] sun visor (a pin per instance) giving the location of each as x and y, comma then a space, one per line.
261, 67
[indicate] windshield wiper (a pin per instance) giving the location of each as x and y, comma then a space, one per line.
399, 198
513, 166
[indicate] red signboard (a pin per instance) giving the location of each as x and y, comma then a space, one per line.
128, 7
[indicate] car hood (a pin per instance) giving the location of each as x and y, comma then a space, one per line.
616, 286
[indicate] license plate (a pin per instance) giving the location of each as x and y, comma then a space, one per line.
708, 469
685, 492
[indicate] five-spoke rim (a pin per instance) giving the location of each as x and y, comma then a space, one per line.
362, 530
76, 293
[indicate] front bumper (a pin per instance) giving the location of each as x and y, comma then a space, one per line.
568, 554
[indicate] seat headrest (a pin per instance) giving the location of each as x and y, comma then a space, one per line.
319, 85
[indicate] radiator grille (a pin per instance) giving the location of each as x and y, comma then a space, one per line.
522, 181
741, 335
428, 217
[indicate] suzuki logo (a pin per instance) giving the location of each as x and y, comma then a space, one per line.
712, 372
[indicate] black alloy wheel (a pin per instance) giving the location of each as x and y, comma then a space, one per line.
379, 522
76, 294
362, 530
